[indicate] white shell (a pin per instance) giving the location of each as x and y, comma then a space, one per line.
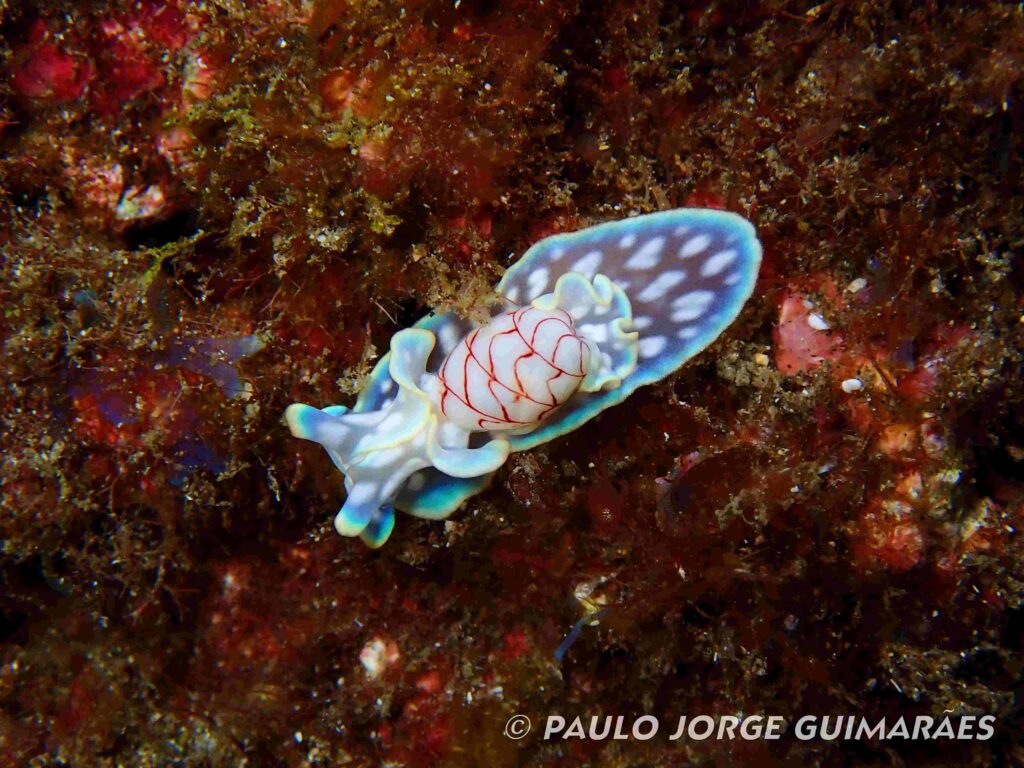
514, 371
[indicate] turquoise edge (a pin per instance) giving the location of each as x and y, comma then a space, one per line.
379, 528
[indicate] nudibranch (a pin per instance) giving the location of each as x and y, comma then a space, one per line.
582, 320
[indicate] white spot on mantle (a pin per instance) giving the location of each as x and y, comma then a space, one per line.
694, 246
642, 322
718, 262
647, 256
588, 264
652, 345
537, 282
693, 299
661, 285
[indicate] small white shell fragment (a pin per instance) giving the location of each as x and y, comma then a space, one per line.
140, 203
377, 655
817, 322
852, 385
857, 285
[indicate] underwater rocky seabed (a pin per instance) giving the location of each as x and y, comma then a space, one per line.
212, 210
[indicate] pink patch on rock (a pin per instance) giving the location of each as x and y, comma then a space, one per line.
898, 546
128, 71
922, 382
898, 439
97, 183
889, 535
133, 52
706, 198
802, 339
514, 644
174, 145
48, 73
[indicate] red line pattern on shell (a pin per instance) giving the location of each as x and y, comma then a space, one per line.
483, 360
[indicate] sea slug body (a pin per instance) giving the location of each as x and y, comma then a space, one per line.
586, 318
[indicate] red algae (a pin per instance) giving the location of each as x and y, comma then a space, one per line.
46, 72
209, 211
